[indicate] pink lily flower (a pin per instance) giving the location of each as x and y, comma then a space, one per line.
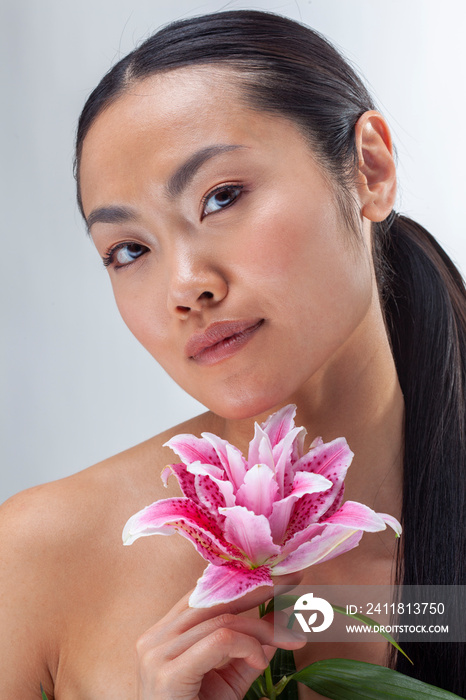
276, 513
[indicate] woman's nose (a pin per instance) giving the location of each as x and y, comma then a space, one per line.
194, 286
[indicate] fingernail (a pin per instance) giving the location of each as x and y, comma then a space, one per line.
301, 636
293, 635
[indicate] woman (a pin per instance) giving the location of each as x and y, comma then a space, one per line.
239, 185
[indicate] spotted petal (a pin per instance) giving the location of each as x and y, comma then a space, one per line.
331, 460
181, 515
209, 494
185, 480
197, 484
222, 584
225, 487
304, 483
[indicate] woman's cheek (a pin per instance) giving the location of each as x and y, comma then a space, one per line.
143, 316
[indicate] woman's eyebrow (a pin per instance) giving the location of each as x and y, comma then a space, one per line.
174, 187
185, 173
110, 215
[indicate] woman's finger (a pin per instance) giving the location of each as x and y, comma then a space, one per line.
181, 617
182, 677
220, 656
219, 650
268, 632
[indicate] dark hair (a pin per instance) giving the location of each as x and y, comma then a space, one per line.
287, 69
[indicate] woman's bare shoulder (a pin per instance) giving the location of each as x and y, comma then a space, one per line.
53, 510
57, 537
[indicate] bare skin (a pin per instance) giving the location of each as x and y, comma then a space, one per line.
78, 601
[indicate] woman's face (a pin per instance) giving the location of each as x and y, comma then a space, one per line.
226, 250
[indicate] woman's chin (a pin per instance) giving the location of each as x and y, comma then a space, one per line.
246, 407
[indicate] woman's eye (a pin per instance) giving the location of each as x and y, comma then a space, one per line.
221, 198
123, 254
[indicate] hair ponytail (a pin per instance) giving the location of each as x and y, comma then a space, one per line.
425, 309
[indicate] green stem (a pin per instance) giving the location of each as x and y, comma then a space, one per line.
269, 684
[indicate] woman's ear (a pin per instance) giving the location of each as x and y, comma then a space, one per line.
377, 175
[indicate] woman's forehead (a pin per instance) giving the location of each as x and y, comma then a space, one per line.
186, 101
167, 118
177, 97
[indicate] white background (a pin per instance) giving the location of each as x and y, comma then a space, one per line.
75, 386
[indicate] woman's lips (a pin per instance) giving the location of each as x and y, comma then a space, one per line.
221, 340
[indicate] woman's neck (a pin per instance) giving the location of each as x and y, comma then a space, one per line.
356, 395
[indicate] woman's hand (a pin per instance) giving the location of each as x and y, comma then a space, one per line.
210, 653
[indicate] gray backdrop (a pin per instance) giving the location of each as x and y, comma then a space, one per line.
75, 386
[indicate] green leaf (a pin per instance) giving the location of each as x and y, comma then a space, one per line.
281, 665
44, 697
372, 623
254, 692
344, 679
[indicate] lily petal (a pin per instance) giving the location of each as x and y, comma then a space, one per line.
260, 449
185, 480
302, 536
181, 515
225, 487
229, 457
208, 494
304, 513
298, 445
279, 424
237, 463
250, 533
259, 490
329, 458
336, 503
207, 469
304, 483
393, 522
193, 449
332, 542
222, 584
358, 517
345, 545
165, 475
284, 465
332, 460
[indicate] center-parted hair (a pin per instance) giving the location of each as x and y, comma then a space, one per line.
284, 68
